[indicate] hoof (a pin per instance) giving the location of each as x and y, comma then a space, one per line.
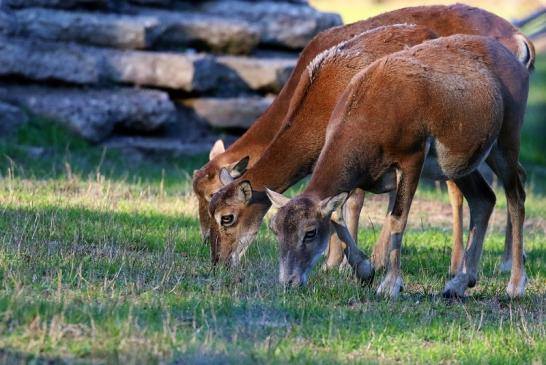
452, 294
456, 287
516, 288
365, 272
391, 287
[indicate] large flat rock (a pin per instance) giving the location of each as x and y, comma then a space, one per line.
158, 145
72, 63
262, 74
281, 24
93, 114
238, 112
148, 28
190, 72
61, 4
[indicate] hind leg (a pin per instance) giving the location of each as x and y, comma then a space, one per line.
457, 253
481, 201
509, 171
506, 260
336, 246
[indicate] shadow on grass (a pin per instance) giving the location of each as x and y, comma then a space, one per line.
112, 269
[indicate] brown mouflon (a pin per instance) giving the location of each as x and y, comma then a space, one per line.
442, 20
441, 107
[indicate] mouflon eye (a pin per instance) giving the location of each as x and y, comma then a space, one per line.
227, 220
309, 235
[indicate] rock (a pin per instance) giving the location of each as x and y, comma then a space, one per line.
61, 4
155, 145
281, 24
7, 25
109, 30
221, 34
152, 2
190, 72
263, 74
147, 29
238, 112
11, 118
43, 61
93, 114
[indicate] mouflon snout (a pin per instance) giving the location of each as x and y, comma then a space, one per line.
236, 221
302, 227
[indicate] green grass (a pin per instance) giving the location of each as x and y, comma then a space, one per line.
101, 262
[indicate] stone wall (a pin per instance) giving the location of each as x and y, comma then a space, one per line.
118, 72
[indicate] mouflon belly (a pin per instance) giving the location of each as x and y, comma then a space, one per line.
444, 163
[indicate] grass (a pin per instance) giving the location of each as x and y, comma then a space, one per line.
101, 262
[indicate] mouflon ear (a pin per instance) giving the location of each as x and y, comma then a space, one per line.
244, 191
329, 205
239, 167
217, 149
278, 200
225, 176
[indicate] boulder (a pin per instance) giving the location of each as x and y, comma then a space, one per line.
152, 2
281, 24
238, 112
221, 34
183, 71
108, 30
11, 118
262, 74
44, 61
94, 114
72, 63
189, 72
157, 145
61, 4
148, 28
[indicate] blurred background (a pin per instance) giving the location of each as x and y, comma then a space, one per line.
144, 78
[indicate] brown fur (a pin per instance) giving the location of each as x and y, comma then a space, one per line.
443, 20
308, 116
464, 97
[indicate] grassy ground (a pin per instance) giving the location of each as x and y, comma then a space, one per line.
101, 261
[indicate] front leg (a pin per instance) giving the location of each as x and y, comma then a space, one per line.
408, 179
336, 246
381, 248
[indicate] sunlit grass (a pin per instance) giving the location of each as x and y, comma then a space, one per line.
101, 260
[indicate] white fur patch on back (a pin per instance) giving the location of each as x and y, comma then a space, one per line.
338, 49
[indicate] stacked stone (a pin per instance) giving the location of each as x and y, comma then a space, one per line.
100, 66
